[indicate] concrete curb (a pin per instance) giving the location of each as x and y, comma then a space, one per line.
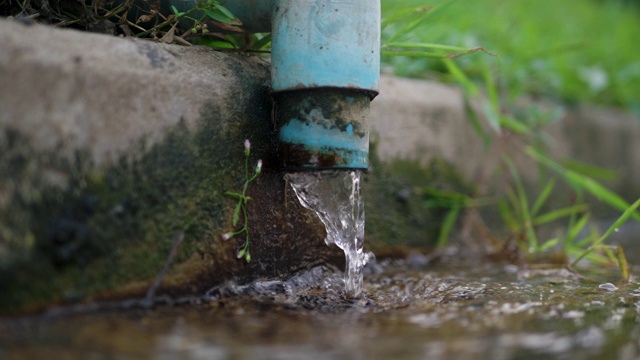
111, 146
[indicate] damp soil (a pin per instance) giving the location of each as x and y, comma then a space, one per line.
411, 309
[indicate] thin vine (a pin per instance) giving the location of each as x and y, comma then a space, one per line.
241, 206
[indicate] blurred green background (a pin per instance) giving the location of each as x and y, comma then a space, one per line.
568, 50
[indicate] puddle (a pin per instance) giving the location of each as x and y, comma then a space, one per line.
449, 311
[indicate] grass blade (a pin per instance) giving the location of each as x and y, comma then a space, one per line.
421, 19
542, 198
623, 264
225, 11
514, 125
524, 206
236, 213
559, 214
493, 117
467, 85
583, 182
472, 117
507, 217
621, 220
575, 229
447, 226
549, 244
403, 14
262, 42
391, 49
412, 45
595, 172
492, 108
417, 54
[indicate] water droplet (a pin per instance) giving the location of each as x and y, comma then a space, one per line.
607, 287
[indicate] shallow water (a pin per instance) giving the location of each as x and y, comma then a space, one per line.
409, 309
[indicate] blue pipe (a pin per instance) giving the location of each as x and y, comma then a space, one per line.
325, 63
326, 43
325, 70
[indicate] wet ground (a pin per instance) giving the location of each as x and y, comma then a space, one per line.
411, 310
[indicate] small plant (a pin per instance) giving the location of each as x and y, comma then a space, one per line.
208, 18
241, 206
506, 122
407, 21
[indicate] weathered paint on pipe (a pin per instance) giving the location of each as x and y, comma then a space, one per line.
333, 48
323, 129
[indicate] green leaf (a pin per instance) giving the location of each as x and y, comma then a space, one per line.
542, 198
262, 42
592, 257
610, 255
472, 117
447, 226
412, 45
492, 116
217, 15
507, 216
399, 49
623, 264
467, 85
592, 237
236, 213
419, 21
418, 54
580, 181
175, 10
549, 244
514, 125
559, 214
592, 171
453, 196
492, 108
234, 195
524, 206
621, 220
225, 11
514, 203
575, 229
403, 14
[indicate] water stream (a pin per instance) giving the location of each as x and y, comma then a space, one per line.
335, 197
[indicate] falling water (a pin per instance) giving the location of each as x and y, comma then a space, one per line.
335, 197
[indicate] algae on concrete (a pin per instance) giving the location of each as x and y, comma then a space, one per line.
398, 213
102, 165
111, 228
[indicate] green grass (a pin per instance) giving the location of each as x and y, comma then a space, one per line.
571, 50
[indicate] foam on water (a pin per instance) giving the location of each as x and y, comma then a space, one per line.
335, 197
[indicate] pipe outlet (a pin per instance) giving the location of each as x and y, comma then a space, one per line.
325, 64
325, 71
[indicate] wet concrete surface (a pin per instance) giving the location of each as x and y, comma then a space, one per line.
410, 310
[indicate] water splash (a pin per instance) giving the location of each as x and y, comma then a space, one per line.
335, 197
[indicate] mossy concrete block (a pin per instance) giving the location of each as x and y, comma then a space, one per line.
110, 148
420, 121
